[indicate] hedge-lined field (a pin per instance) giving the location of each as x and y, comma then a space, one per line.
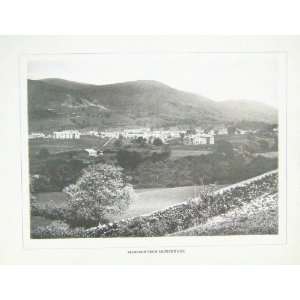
175, 218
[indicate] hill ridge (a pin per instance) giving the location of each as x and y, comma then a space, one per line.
140, 103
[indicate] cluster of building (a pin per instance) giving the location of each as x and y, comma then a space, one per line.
146, 133
197, 136
199, 139
60, 135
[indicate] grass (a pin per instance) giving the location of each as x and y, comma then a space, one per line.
260, 216
36, 221
235, 139
56, 146
182, 153
58, 198
268, 154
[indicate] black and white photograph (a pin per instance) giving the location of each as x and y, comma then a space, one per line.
153, 144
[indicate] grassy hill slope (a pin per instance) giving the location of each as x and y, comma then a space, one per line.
58, 104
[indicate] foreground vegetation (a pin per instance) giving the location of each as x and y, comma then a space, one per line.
173, 219
260, 216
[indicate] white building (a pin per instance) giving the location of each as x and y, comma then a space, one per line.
199, 139
222, 131
110, 134
36, 135
66, 134
241, 131
89, 132
92, 152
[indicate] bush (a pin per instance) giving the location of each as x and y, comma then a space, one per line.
129, 159
40, 184
57, 229
157, 142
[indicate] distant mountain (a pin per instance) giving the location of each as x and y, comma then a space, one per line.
57, 104
247, 110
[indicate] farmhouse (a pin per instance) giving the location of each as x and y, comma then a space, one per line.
199, 139
66, 134
91, 152
110, 134
222, 131
241, 131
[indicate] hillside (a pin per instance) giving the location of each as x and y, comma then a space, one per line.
57, 104
248, 110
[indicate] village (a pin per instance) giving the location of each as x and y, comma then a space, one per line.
195, 136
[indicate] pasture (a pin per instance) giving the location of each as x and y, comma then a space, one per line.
268, 154
56, 145
59, 199
175, 154
234, 139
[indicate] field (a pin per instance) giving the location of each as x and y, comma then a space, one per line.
268, 154
57, 198
234, 139
182, 153
56, 146
260, 216
146, 201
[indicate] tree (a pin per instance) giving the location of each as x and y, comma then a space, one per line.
129, 159
191, 131
101, 191
62, 172
275, 145
231, 129
264, 145
181, 136
40, 184
119, 142
224, 147
141, 141
157, 142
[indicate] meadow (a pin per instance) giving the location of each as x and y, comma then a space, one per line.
56, 145
273, 154
187, 152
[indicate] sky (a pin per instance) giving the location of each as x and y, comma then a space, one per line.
218, 76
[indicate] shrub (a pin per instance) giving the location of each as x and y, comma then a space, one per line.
129, 159
157, 142
57, 229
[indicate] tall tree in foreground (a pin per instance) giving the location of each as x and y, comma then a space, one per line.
101, 191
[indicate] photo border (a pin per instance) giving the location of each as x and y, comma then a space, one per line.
163, 242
